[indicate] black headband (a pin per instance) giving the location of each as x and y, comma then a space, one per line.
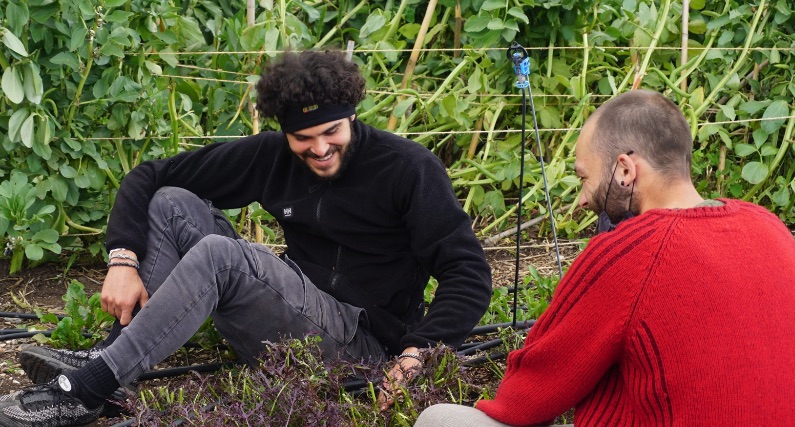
294, 119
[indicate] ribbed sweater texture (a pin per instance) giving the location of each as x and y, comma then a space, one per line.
676, 318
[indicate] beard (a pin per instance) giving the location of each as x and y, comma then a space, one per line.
620, 201
346, 153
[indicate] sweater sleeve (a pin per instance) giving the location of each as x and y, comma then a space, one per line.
220, 172
581, 335
445, 245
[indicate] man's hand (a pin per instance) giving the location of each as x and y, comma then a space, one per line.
121, 291
404, 370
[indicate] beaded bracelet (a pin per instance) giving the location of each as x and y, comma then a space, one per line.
414, 356
123, 264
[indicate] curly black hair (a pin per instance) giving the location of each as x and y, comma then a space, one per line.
300, 79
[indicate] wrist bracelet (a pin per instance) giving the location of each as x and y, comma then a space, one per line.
414, 356
110, 252
123, 256
123, 264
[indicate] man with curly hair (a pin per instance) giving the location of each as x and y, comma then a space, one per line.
367, 217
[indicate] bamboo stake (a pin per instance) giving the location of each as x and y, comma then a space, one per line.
415, 53
685, 36
473, 143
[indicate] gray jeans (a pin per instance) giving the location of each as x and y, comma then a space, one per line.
196, 266
451, 415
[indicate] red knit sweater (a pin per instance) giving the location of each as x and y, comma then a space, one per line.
676, 318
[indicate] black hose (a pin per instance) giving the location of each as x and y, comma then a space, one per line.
182, 370
483, 346
477, 361
490, 329
13, 315
47, 333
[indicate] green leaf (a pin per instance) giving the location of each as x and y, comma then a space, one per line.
517, 13
697, 25
495, 24
12, 42
474, 82
17, 16
375, 22
781, 197
60, 188
15, 123
66, 58
112, 49
119, 16
67, 171
752, 107
78, 38
33, 87
744, 150
189, 32
12, 85
26, 131
477, 23
153, 68
754, 172
778, 108
492, 4
48, 236
698, 4
34, 252
760, 137
728, 111
403, 106
768, 150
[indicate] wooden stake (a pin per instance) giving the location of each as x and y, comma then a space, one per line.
415, 54
473, 144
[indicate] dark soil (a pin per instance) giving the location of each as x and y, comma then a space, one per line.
42, 288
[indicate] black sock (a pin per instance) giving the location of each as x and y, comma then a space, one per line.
93, 384
114, 333
115, 330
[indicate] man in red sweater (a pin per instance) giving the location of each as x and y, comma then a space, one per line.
682, 316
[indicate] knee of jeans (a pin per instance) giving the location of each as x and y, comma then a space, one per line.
216, 243
431, 416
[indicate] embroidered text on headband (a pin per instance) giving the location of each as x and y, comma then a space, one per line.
307, 116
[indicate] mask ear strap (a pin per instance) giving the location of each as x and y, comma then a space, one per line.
631, 193
610, 184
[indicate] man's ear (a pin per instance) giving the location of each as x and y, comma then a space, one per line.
626, 170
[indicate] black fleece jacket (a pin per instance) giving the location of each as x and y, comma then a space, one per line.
370, 238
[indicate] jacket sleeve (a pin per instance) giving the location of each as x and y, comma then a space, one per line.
220, 172
445, 245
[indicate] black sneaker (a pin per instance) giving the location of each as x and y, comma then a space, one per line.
43, 364
47, 405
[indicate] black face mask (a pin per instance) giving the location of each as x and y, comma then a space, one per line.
604, 223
